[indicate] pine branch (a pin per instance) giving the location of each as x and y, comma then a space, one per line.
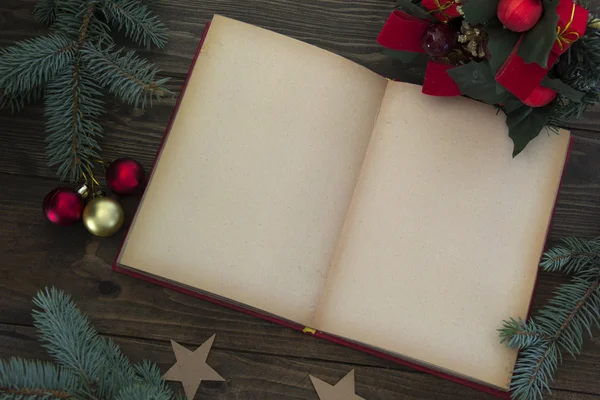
73, 107
574, 256
69, 338
139, 23
16, 101
45, 11
149, 374
141, 391
30, 64
579, 67
56, 67
560, 325
32, 380
520, 334
124, 74
78, 21
117, 371
90, 366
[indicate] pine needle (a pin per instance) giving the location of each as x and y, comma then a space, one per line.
90, 367
73, 66
561, 325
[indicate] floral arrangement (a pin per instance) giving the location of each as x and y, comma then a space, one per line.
536, 60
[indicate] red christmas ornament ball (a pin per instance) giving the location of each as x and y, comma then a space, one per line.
438, 40
519, 15
540, 97
63, 206
125, 176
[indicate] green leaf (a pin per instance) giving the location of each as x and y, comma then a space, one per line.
509, 101
480, 11
501, 43
563, 89
414, 9
406, 56
476, 80
525, 124
538, 42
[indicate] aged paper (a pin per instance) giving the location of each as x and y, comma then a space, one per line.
444, 235
253, 184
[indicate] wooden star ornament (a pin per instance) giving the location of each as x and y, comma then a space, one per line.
191, 367
343, 390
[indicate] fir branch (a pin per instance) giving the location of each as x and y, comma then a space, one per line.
148, 373
73, 107
575, 255
579, 67
138, 22
45, 11
142, 391
33, 379
16, 101
31, 63
69, 338
77, 19
55, 66
124, 74
560, 325
117, 371
520, 334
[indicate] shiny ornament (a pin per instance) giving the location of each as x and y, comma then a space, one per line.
125, 176
63, 206
519, 15
103, 216
540, 97
438, 40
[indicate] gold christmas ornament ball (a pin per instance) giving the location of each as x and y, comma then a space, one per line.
103, 216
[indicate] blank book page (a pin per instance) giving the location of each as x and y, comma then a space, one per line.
251, 189
444, 235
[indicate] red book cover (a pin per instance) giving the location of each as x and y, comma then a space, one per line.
270, 316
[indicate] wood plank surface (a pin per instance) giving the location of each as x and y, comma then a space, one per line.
260, 360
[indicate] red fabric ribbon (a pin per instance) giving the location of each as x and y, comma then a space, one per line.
404, 32
520, 78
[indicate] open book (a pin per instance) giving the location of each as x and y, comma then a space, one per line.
298, 183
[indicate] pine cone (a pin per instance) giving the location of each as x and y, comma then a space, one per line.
473, 40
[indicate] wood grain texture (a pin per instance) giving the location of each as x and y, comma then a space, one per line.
260, 360
37, 254
252, 376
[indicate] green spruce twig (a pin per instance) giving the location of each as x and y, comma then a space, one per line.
560, 325
89, 367
72, 67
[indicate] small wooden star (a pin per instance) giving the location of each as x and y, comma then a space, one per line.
191, 367
343, 390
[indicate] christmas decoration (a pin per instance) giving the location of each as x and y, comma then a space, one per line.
191, 367
519, 15
443, 10
540, 97
125, 176
73, 65
103, 216
88, 366
560, 325
438, 40
63, 206
343, 390
545, 76
473, 40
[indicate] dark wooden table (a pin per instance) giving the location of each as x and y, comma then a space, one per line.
260, 360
